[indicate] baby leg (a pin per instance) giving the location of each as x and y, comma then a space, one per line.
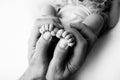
48, 29
67, 39
48, 10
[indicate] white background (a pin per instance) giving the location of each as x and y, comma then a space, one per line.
16, 20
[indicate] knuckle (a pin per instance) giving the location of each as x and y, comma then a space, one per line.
56, 70
72, 68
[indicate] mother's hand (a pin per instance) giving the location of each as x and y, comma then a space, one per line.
59, 67
38, 54
86, 32
38, 61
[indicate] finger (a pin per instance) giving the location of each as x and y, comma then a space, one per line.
42, 48
60, 51
86, 32
78, 53
35, 34
40, 58
56, 66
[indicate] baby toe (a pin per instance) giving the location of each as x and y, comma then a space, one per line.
46, 27
51, 27
42, 30
71, 44
68, 36
65, 33
59, 33
53, 32
70, 40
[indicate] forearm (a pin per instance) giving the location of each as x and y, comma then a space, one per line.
31, 74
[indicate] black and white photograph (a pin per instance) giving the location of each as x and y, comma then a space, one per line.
59, 40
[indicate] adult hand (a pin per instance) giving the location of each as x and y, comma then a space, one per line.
86, 32
38, 62
37, 55
61, 66
62, 69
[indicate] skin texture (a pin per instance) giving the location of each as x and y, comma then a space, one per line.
114, 13
40, 67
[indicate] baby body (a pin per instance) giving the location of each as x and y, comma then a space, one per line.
73, 14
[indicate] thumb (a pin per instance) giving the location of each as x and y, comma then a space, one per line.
57, 64
85, 32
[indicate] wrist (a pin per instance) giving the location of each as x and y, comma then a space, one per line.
33, 74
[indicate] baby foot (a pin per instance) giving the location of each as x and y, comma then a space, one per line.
47, 31
67, 39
